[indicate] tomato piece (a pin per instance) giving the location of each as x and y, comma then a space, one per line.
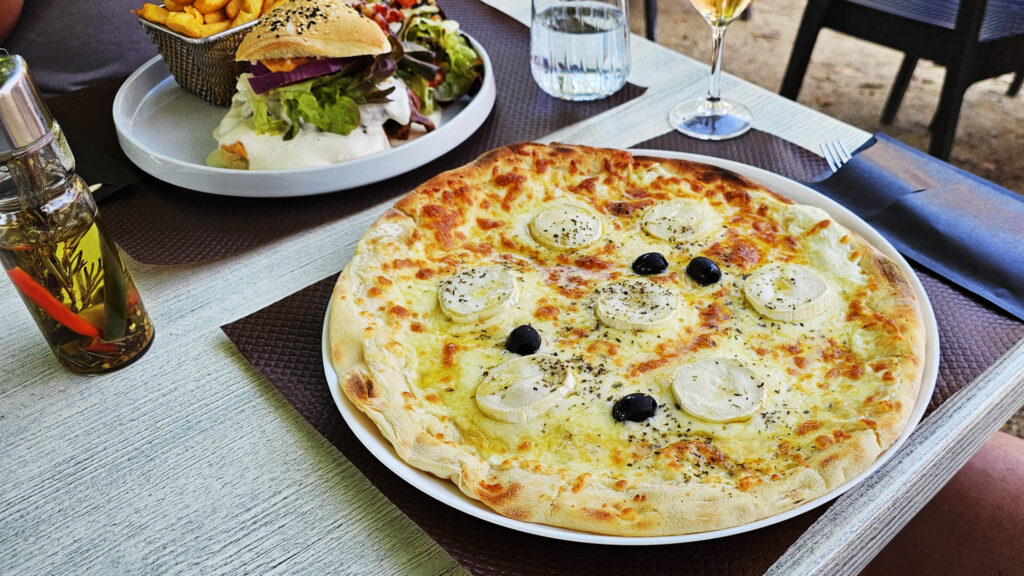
284, 64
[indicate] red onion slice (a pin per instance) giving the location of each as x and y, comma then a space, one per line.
264, 80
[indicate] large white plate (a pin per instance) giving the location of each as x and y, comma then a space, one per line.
168, 133
446, 492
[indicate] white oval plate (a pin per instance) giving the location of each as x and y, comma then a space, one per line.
168, 133
447, 493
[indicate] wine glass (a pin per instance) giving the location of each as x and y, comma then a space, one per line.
713, 118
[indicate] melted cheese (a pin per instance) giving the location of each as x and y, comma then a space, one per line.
828, 368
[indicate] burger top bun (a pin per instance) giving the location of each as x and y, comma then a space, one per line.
313, 29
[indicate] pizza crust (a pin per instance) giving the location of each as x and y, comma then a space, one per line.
385, 377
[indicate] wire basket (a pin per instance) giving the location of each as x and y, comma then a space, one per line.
206, 66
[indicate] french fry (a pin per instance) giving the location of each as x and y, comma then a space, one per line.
215, 28
176, 5
188, 22
249, 11
232, 8
216, 17
200, 18
153, 13
206, 6
269, 5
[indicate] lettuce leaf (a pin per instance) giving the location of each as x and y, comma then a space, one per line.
330, 102
340, 115
461, 64
325, 102
264, 121
464, 68
421, 87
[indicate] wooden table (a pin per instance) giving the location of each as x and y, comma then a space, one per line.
189, 462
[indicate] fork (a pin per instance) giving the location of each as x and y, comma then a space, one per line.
835, 154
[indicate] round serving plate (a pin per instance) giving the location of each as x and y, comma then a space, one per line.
446, 492
168, 133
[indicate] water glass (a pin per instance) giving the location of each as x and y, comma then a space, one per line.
579, 49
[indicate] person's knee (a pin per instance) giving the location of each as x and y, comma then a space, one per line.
973, 526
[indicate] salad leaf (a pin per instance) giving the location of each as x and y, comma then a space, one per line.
340, 115
264, 121
419, 61
461, 65
430, 55
421, 87
329, 102
325, 102
384, 65
464, 69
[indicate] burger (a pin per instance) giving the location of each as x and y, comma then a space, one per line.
330, 81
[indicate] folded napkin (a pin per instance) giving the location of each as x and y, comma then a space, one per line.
958, 225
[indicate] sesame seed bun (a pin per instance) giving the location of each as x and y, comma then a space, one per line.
313, 29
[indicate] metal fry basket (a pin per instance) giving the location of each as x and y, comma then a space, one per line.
206, 66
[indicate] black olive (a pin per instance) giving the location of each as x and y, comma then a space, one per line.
650, 263
524, 340
703, 271
636, 407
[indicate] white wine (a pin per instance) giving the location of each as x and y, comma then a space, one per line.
720, 12
714, 118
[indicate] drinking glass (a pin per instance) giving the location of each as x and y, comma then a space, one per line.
713, 118
579, 49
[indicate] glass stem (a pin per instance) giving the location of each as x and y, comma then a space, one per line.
715, 88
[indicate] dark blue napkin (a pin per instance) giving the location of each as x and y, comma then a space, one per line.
958, 225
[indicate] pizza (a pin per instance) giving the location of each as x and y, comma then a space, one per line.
624, 345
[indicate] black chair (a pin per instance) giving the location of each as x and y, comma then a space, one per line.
651, 19
973, 39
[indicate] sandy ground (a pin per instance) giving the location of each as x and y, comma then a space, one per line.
850, 79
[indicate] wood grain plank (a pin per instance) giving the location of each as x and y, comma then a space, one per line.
189, 462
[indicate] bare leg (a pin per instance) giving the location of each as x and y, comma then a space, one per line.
973, 526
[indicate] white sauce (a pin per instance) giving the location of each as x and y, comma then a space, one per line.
311, 146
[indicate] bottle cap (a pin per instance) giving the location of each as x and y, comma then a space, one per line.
24, 117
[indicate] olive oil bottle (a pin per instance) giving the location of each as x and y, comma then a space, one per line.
53, 244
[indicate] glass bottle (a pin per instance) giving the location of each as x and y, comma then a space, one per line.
53, 244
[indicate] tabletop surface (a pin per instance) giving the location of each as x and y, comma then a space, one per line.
188, 461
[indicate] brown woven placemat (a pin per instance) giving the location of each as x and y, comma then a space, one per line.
157, 223
755, 148
283, 341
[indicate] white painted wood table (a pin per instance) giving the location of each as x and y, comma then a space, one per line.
189, 462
